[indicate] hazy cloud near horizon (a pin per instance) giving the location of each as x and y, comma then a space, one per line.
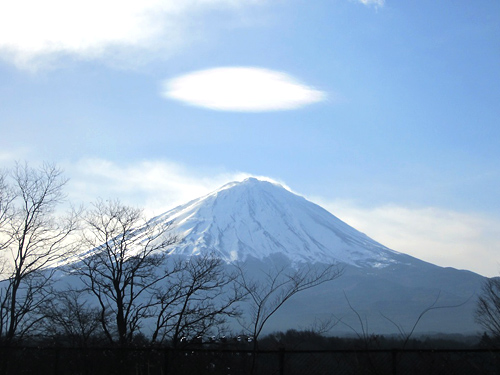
155, 185
438, 235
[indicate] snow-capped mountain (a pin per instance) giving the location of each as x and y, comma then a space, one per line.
256, 221
260, 218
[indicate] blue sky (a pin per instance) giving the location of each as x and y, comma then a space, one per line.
384, 112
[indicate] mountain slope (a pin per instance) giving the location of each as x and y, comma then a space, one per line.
262, 222
259, 218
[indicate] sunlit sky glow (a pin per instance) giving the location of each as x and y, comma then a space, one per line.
384, 112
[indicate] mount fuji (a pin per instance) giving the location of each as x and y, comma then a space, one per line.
381, 290
255, 218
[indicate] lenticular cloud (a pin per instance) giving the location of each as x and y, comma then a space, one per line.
245, 89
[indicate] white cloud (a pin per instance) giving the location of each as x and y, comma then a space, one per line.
247, 89
33, 31
36, 33
8, 157
444, 237
373, 2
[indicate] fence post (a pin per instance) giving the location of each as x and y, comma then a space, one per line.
56, 361
282, 361
3, 359
166, 357
394, 354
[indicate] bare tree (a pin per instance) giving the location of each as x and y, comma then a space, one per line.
123, 265
198, 296
488, 307
364, 335
267, 294
7, 196
405, 335
69, 315
32, 239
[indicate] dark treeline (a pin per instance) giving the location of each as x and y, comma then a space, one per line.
292, 340
310, 340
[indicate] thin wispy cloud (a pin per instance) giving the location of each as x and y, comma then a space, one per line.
155, 185
243, 89
33, 32
377, 3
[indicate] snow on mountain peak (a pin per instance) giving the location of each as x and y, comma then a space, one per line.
259, 218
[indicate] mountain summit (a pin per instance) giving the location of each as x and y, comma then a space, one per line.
256, 218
